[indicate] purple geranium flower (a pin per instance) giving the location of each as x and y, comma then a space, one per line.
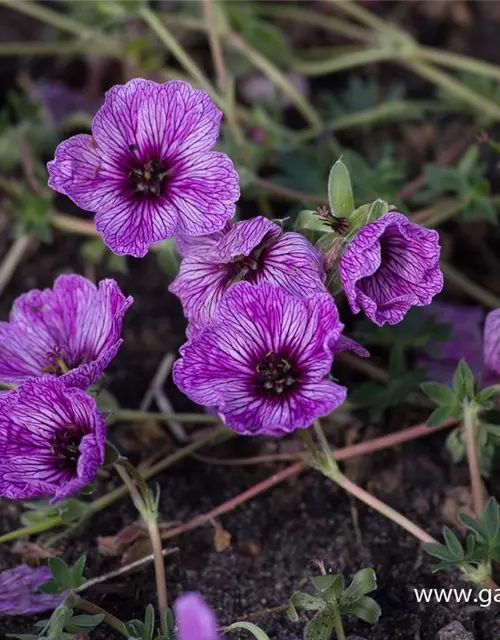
52, 440
391, 265
466, 341
19, 595
72, 331
264, 359
491, 348
255, 250
195, 620
148, 169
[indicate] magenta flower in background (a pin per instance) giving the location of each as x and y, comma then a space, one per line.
194, 619
465, 342
491, 348
264, 360
52, 440
255, 250
148, 169
391, 265
19, 595
72, 331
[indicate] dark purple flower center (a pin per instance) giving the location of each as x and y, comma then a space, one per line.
58, 363
275, 374
246, 267
64, 446
147, 177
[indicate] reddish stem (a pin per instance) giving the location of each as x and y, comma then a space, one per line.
352, 451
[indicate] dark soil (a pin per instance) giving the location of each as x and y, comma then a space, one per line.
277, 537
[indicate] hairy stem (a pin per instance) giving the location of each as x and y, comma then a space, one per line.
111, 620
332, 471
147, 508
470, 429
337, 623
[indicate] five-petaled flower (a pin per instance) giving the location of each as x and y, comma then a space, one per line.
52, 440
148, 169
263, 361
19, 595
72, 331
392, 264
194, 619
256, 251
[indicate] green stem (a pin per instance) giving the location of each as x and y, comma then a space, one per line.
60, 21
459, 61
343, 61
454, 87
147, 508
111, 620
32, 529
133, 415
337, 623
468, 286
277, 77
178, 51
363, 15
49, 48
307, 16
470, 428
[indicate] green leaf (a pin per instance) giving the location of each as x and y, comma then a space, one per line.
323, 583
319, 628
463, 381
300, 600
440, 415
51, 586
77, 578
453, 544
60, 572
335, 591
438, 550
86, 621
71, 510
456, 445
252, 628
366, 609
149, 621
340, 195
439, 393
491, 519
363, 582
308, 219
472, 524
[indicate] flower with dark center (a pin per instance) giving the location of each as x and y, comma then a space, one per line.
52, 440
391, 265
71, 331
256, 251
148, 169
276, 375
263, 362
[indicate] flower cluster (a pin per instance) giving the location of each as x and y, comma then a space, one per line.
56, 344
263, 325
